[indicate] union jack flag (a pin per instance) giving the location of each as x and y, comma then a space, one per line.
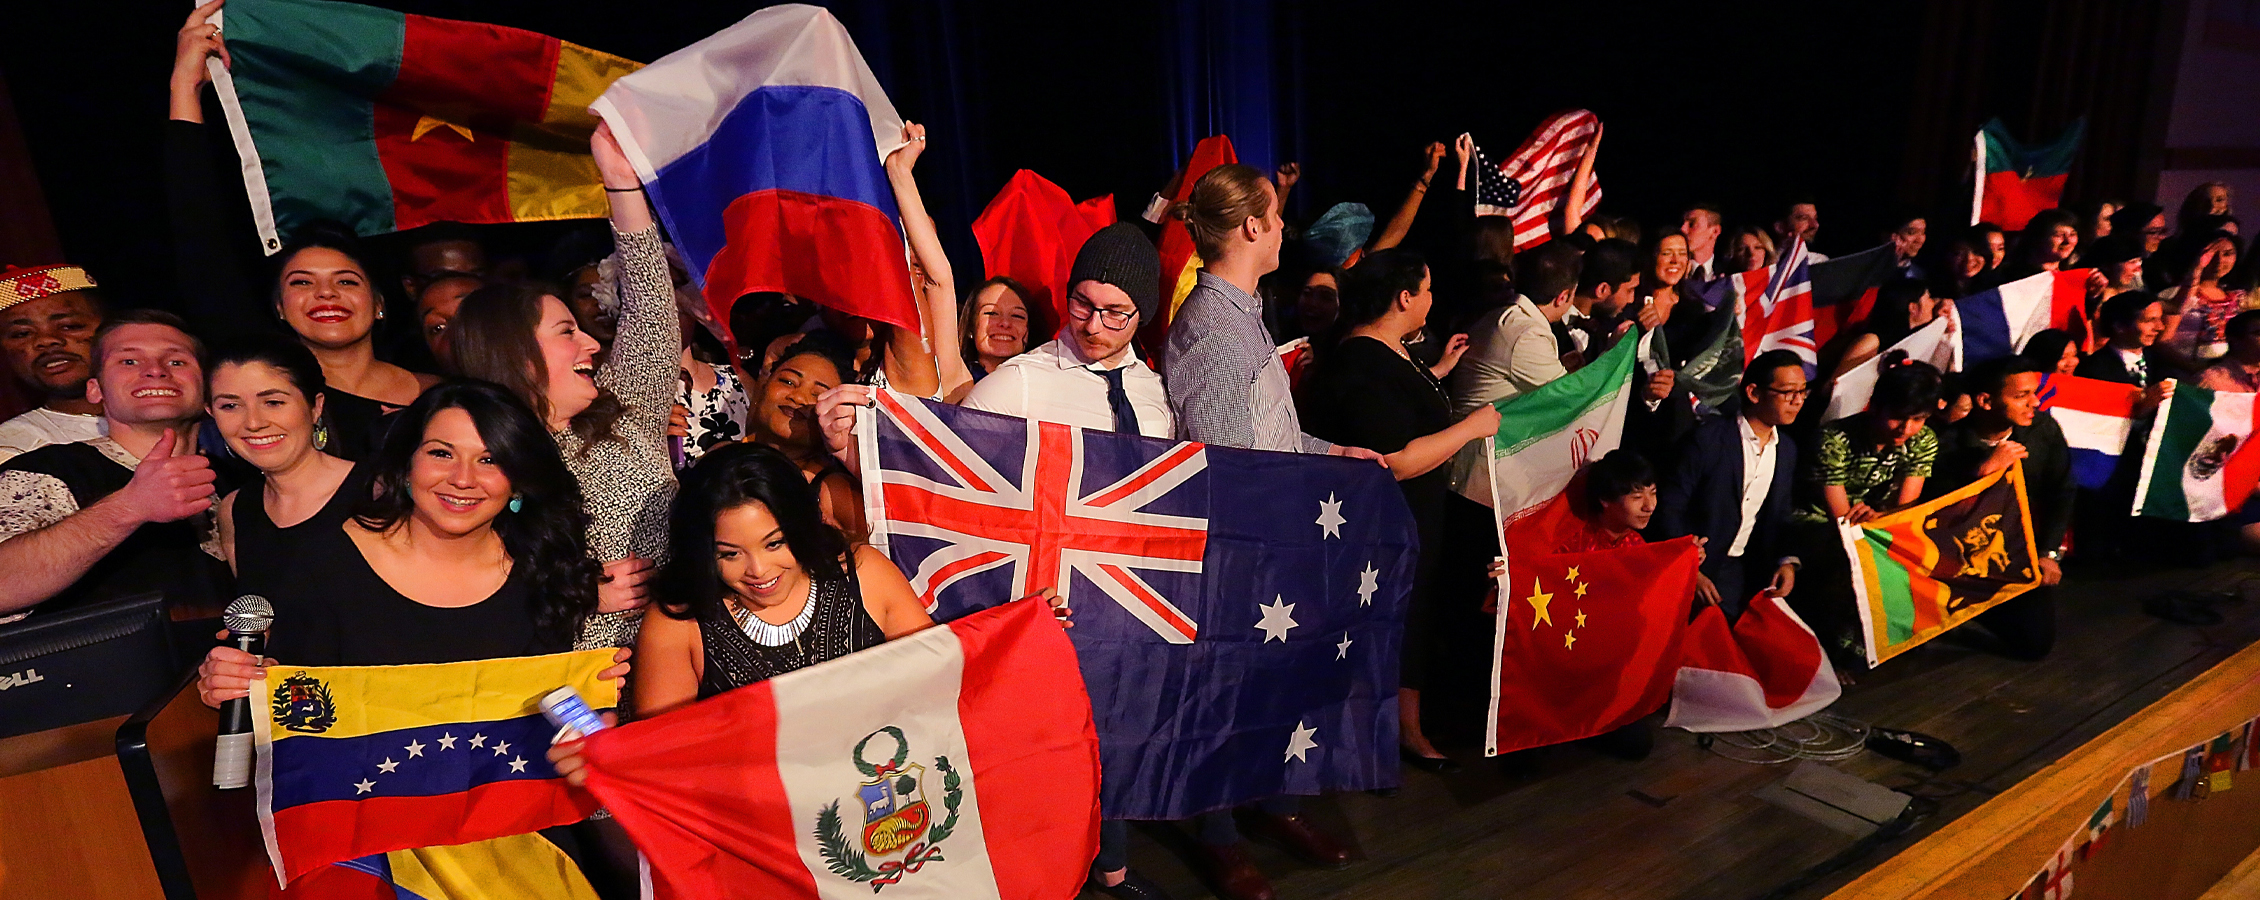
1238, 613
1776, 307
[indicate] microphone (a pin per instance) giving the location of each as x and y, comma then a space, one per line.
247, 618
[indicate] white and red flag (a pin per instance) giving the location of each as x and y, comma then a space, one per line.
1532, 182
1764, 671
958, 762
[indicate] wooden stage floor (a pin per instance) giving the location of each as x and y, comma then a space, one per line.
1684, 825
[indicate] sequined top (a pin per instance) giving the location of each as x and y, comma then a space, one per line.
839, 627
628, 481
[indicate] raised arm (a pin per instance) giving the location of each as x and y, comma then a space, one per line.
216, 293
1573, 206
937, 289
1401, 223
645, 361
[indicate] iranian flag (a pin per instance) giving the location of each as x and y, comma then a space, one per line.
2016, 181
387, 121
2199, 464
958, 762
1546, 435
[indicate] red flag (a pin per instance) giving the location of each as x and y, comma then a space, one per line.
1589, 641
1030, 233
1179, 263
1766, 670
957, 762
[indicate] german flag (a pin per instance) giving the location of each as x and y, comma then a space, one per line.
1927, 568
387, 121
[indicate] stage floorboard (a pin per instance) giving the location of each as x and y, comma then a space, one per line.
1684, 824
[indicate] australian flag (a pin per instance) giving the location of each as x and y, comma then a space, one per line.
1238, 613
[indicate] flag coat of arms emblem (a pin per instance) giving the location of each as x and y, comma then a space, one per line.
355, 762
1238, 613
1927, 568
958, 762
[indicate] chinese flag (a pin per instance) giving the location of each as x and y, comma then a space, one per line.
1031, 232
1589, 641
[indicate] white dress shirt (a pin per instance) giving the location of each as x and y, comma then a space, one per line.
1054, 383
1759, 456
42, 426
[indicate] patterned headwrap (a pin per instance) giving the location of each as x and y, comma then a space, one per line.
21, 285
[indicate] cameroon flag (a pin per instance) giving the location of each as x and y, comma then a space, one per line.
1927, 568
387, 121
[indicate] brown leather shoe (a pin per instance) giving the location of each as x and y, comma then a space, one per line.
1299, 836
1230, 873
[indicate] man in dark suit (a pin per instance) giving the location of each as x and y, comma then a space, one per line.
2132, 323
1730, 487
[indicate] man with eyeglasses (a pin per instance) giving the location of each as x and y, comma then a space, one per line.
1089, 376
1730, 487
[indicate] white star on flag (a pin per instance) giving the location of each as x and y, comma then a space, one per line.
1301, 742
415, 749
478, 740
387, 766
518, 764
1368, 582
501, 747
1330, 516
447, 742
364, 786
1278, 616
1342, 650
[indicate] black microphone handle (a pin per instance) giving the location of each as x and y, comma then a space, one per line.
235, 715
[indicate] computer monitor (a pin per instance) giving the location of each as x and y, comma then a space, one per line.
83, 665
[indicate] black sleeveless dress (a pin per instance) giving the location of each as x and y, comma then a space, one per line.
332, 609
262, 548
839, 626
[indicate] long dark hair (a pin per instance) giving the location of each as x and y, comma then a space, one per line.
546, 536
325, 234
1369, 289
296, 363
492, 338
724, 479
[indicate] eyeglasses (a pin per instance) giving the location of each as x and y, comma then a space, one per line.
1788, 392
1080, 309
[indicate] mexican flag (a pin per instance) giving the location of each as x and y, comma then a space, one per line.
387, 121
1546, 435
2199, 464
2016, 181
1927, 568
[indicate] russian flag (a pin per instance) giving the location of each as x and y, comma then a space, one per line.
1998, 322
960, 761
2096, 417
760, 147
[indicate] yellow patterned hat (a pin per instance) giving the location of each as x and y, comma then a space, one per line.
21, 285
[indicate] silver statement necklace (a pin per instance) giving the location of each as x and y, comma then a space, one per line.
768, 635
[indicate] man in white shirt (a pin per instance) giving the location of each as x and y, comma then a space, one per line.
48, 316
1513, 350
1700, 224
1090, 376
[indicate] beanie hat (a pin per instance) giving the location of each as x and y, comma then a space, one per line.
1120, 255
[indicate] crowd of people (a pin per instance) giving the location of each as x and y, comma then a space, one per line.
581, 461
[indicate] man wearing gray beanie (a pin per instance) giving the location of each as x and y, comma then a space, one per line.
1089, 376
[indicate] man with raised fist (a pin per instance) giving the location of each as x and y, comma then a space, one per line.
126, 512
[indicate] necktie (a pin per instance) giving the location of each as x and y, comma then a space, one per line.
2140, 368
1125, 415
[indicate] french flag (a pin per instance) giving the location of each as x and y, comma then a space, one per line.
1776, 306
1998, 322
760, 147
2096, 417
960, 761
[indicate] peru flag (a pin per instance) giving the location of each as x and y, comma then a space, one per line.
958, 762
760, 148
1765, 671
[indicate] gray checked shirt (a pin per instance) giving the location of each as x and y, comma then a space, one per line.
1225, 381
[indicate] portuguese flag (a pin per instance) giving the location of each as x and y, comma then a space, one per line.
1927, 568
2015, 181
387, 121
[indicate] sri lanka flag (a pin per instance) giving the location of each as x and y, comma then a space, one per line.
2096, 416
357, 762
387, 121
1925, 569
1998, 322
957, 762
2016, 181
760, 147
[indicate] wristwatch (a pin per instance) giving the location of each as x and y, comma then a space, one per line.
2056, 554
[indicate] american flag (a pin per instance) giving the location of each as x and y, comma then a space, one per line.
1238, 613
1535, 179
1776, 307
